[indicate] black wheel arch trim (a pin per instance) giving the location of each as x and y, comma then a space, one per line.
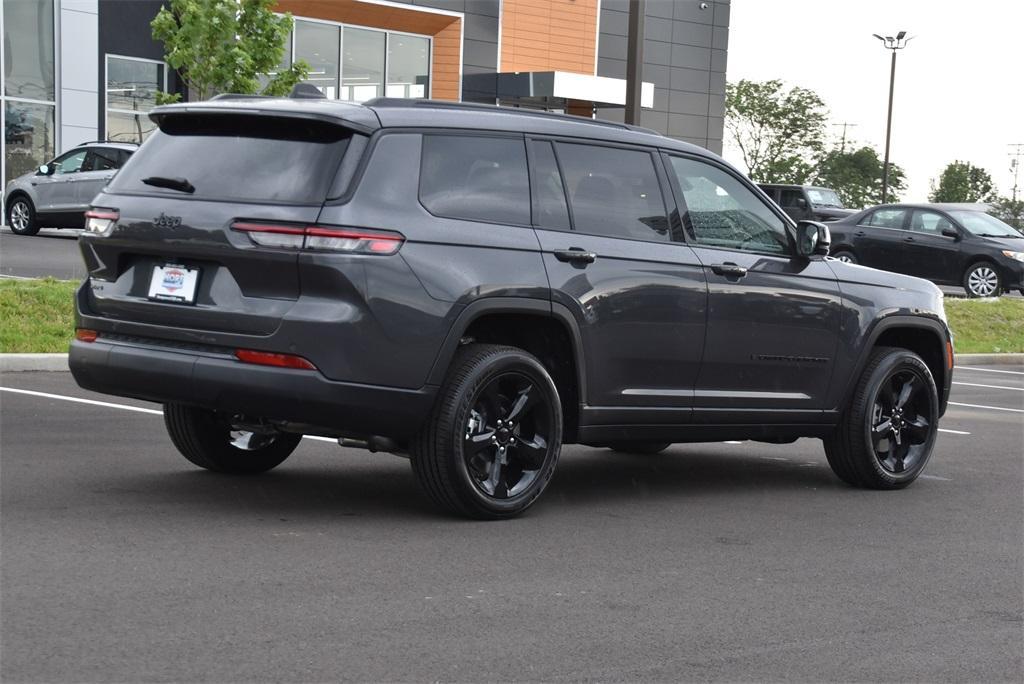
903, 321
509, 305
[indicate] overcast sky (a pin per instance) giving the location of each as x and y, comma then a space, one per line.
959, 82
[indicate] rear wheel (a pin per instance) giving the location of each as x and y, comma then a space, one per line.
639, 447
845, 257
887, 432
21, 216
210, 440
982, 280
491, 443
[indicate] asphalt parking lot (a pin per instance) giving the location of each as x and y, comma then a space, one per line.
121, 562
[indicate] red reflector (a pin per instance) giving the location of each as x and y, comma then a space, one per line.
84, 335
271, 359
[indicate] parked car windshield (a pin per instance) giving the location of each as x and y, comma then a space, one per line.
984, 225
824, 198
237, 157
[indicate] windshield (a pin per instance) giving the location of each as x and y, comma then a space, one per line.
824, 198
986, 225
236, 157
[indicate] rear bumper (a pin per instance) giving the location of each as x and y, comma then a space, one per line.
218, 381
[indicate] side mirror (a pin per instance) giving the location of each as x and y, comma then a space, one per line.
46, 170
801, 203
951, 233
812, 239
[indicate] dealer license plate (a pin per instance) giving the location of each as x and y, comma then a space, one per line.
174, 283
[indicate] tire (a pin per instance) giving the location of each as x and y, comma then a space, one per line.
879, 414
639, 447
982, 280
21, 216
205, 438
469, 464
845, 256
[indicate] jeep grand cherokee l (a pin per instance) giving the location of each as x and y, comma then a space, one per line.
475, 287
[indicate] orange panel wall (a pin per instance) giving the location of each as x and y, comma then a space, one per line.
549, 35
445, 29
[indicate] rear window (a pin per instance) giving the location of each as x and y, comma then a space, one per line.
244, 158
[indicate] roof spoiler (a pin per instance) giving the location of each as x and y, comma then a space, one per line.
306, 91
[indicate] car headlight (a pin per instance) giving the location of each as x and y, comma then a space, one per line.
1016, 256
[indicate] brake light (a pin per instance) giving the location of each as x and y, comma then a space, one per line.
100, 221
321, 238
85, 335
262, 358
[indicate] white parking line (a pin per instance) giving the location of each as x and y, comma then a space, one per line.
79, 400
991, 408
1003, 387
954, 432
988, 370
123, 407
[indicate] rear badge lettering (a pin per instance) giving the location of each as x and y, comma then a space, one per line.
164, 221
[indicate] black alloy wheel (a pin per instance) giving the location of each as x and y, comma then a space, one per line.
490, 446
901, 422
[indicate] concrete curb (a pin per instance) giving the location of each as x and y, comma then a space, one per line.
17, 363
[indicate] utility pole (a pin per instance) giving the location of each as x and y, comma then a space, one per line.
1015, 164
635, 60
842, 143
893, 44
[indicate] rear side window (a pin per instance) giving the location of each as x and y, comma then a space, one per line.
475, 178
613, 192
239, 157
887, 218
102, 159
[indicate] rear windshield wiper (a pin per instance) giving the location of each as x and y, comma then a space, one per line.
181, 184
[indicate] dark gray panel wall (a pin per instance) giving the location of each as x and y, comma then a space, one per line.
684, 57
480, 47
124, 30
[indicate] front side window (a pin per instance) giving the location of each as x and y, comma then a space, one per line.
475, 178
887, 218
132, 85
929, 222
69, 163
613, 192
722, 212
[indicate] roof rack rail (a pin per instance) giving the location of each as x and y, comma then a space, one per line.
115, 142
480, 106
239, 96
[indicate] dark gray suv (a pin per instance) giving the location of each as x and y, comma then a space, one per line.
474, 287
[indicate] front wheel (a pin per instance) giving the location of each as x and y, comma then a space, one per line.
210, 440
21, 216
982, 280
887, 432
491, 443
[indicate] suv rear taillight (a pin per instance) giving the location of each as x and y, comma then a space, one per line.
100, 221
321, 238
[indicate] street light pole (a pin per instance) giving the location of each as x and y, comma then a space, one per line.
893, 44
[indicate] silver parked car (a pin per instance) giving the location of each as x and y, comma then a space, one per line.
58, 194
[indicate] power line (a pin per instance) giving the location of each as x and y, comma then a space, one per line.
1015, 164
842, 143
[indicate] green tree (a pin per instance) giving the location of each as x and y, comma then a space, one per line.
779, 132
963, 182
857, 176
225, 46
1011, 211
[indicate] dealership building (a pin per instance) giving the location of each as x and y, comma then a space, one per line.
78, 70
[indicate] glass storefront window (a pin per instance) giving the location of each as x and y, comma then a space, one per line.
28, 137
408, 66
28, 49
132, 85
362, 64
318, 45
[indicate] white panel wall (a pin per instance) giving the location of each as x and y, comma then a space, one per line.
79, 72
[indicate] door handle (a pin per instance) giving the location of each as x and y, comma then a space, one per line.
860, 233
729, 269
908, 239
575, 255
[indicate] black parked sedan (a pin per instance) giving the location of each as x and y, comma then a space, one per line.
949, 244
